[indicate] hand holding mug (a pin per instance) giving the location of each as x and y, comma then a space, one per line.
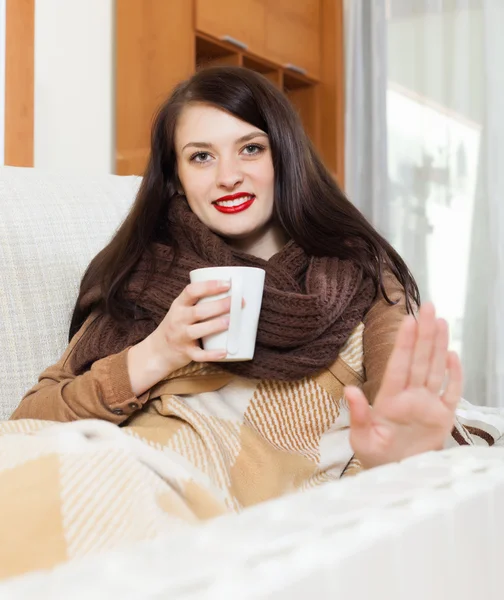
219, 309
247, 283
189, 320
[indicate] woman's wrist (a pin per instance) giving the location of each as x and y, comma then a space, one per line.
147, 364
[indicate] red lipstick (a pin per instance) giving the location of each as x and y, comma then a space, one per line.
236, 208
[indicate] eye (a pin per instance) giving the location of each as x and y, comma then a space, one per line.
253, 149
200, 157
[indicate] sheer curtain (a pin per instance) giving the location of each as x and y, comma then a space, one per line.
366, 176
424, 159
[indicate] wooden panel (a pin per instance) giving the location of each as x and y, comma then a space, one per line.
306, 102
132, 162
332, 89
275, 77
212, 53
293, 33
19, 77
155, 50
233, 60
243, 20
266, 68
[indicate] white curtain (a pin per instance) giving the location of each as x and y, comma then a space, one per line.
366, 177
425, 159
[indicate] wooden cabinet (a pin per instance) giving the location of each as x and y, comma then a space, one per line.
161, 42
154, 51
293, 30
242, 21
284, 31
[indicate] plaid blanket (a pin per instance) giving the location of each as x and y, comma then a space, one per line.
204, 445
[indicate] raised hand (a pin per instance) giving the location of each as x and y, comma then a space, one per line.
411, 413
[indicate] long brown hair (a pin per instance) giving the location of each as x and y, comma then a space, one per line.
309, 205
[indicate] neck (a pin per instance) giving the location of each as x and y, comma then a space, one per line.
263, 244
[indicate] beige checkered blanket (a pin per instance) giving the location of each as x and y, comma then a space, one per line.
205, 444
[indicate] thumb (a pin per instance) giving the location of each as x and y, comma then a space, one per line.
360, 411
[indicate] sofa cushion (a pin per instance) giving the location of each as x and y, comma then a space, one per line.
51, 225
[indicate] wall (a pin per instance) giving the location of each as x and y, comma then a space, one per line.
74, 85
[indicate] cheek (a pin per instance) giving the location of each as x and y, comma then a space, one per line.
194, 183
265, 177
267, 180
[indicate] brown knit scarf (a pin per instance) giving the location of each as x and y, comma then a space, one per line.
310, 304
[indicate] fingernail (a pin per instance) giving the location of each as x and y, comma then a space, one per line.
226, 319
225, 284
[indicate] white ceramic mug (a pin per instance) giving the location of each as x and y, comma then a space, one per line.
240, 337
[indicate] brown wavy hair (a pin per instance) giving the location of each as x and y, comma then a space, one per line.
309, 204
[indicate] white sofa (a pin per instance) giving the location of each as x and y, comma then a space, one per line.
51, 225
430, 527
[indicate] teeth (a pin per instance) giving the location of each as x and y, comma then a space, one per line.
236, 202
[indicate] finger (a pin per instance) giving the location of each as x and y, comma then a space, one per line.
360, 415
397, 371
424, 346
208, 310
201, 330
360, 421
453, 391
199, 355
437, 370
202, 289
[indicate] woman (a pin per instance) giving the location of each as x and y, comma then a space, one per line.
232, 179
225, 132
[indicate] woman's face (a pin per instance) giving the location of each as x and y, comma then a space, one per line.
226, 172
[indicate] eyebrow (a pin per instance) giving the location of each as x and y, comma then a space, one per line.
245, 138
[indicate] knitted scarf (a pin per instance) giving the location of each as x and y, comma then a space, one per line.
310, 304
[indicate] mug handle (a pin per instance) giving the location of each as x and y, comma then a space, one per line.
233, 344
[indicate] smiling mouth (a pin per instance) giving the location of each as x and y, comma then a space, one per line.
234, 205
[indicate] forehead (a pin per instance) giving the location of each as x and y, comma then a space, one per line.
205, 123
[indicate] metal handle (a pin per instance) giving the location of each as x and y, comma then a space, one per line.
234, 41
296, 69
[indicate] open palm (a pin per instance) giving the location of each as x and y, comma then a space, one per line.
410, 414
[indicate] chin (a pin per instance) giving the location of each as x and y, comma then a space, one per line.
238, 231
234, 234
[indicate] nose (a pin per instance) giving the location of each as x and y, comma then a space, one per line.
229, 174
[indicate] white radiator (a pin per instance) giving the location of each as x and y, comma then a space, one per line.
428, 528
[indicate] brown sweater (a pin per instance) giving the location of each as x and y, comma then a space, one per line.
104, 392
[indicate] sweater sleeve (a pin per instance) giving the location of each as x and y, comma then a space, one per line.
381, 325
103, 392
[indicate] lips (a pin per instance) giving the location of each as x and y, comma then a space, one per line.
234, 203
